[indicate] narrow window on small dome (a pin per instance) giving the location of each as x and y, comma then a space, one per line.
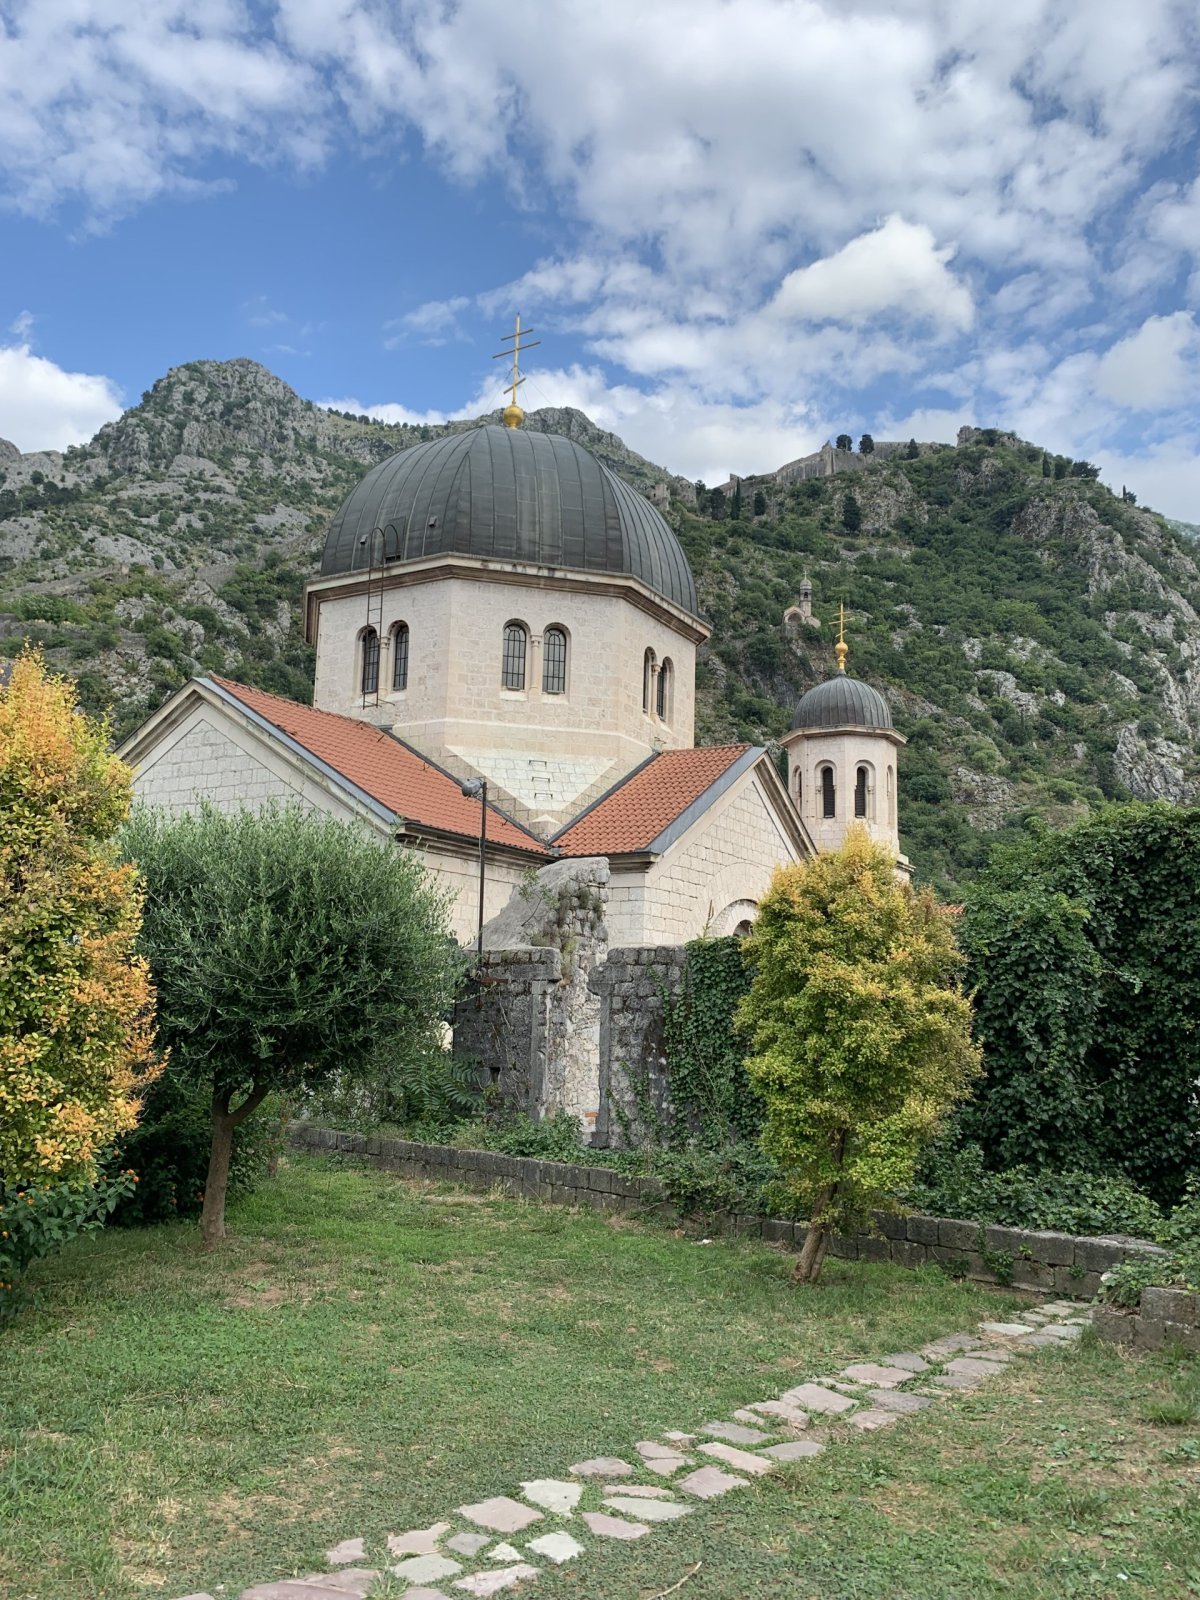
828, 793
647, 681
370, 661
666, 674
516, 642
860, 792
891, 797
400, 656
554, 661
799, 790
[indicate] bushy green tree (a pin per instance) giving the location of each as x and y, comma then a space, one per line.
760, 503
866, 445
1084, 951
844, 442
859, 1033
852, 517
287, 950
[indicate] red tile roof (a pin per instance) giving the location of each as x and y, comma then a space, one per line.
631, 816
389, 771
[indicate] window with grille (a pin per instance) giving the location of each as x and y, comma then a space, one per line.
554, 661
828, 793
512, 671
664, 688
370, 662
400, 656
647, 680
860, 792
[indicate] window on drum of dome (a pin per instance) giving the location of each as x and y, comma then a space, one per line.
828, 793
799, 790
370, 661
647, 680
860, 792
554, 661
891, 798
516, 644
665, 675
400, 656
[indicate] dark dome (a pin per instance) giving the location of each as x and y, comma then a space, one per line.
507, 495
842, 703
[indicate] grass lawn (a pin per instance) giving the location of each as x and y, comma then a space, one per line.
366, 1354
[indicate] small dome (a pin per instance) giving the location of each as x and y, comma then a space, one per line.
843, 703
508, 494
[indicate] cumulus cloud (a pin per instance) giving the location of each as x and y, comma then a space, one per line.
897, 267
44, 407
1155, 367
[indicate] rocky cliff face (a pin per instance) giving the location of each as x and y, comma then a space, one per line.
1038, 638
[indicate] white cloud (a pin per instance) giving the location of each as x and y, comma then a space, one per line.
43, 407
1165, 476
1155, 367
895, 268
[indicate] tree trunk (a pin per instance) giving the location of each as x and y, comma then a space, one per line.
808, 1262
224, 1122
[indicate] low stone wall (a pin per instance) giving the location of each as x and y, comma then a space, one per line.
1163, 1317
634, 986
1058, 1263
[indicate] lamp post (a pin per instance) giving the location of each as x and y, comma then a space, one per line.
477, 788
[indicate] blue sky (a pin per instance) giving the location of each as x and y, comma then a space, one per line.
738, 227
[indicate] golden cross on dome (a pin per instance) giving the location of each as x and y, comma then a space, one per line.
512, 413
841, 648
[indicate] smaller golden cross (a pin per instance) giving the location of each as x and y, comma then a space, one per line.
513, 415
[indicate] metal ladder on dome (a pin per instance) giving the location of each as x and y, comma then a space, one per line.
373, 627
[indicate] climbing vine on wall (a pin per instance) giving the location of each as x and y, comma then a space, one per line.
714, 1104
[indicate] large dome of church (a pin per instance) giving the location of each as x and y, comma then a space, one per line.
504, 494
842, 703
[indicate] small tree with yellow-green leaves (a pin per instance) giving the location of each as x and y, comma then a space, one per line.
859, 1032
76, 1006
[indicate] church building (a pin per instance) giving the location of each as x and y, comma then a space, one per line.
497, 608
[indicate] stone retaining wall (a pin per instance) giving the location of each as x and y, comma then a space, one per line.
1057, 1263
1163, 1317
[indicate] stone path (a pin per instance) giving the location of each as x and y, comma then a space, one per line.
498, 1544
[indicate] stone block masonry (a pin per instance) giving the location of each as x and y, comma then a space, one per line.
1164, 1317
905, 1241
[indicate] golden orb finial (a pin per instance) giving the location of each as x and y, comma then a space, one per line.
841, 649
512, 414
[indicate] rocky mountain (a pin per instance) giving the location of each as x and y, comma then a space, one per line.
1037, 636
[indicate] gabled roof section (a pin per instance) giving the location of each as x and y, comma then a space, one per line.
641, 811
391, 772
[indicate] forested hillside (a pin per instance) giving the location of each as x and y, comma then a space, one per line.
1036, 635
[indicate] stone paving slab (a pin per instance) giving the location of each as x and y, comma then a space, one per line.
679, 1438
426, 1569
706, 1483
973, 1367
606, 1527
602, 1467
501, 1513
417, 1541
950, 1344
878, 1377
647, 1510
355, 1583
954, 1380
897, 1400
503, 1552
552, 1494
640, 1491
869, 1421
792, 1415
468, 1544
493, 1582
1063, 1330
909, 1361
733, 1457
556, 1547
794, 1450
813, 1397
733, 1433
425, 1594
1008, 1330
650, 1449
349, 1550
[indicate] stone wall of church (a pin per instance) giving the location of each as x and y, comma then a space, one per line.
454, 699
723, 865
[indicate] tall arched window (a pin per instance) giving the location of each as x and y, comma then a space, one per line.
554, 661
516, 643
370, 661
647, 680
828, 793
860, 792
666, 674
400, 656
799, 790
891, 797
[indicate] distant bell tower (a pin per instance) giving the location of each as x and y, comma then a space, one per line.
802, 612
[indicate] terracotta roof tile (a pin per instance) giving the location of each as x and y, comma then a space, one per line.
632, 815
389, 771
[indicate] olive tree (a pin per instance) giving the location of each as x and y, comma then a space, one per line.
287, 950
859, 1033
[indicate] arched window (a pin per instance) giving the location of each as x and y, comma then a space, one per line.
799, 790
516, 643
370, 661
554, 661
828, 793
400, 656
666, 674
891, 796
647, 680
860, 792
